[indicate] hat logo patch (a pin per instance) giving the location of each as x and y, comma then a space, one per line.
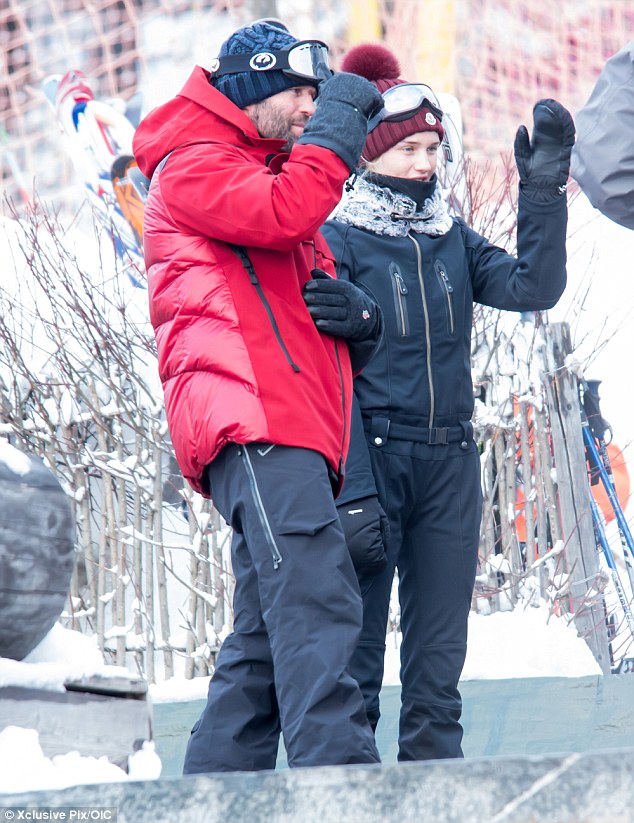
263, 61
430, 119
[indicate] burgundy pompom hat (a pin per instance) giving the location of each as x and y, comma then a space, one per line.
379, 65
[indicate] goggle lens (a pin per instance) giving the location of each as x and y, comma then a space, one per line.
308, 58
403, 101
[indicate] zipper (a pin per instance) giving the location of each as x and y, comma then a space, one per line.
274, 326
448, 289
248, 265
343, 408
400, 294
432, 397
259, 507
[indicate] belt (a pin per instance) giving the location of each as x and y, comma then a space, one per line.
381, 429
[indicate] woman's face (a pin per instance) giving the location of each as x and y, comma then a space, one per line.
414, 158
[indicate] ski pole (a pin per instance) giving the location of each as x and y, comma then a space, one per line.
602, 540
594, 432
627, 541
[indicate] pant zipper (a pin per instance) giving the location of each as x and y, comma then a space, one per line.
259, 507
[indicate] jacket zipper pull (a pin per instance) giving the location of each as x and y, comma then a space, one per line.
401, 283
399, 278
445, 279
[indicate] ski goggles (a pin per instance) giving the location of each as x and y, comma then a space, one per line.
304, 60
403, 101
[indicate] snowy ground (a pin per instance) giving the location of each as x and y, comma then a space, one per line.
519, 643
63, 654
504, 645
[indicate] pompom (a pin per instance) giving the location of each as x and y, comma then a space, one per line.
372, 61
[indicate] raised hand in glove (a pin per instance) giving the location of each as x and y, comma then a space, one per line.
340, 122
367, 532
543, 162
341, 309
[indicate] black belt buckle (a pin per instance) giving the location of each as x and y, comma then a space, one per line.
438, 437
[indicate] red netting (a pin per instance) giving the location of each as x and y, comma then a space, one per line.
508, 54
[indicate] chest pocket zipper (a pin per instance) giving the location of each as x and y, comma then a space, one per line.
253, 278
400, 291
447, 288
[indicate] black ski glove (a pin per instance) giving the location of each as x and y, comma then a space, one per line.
341, 309
367, 532
543, 163
340, 122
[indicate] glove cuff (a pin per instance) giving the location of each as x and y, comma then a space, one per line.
543, 193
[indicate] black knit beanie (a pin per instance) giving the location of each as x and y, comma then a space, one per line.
244, 88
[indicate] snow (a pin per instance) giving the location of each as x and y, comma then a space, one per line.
525, 642
63, 654
24, 767
519, 643
15, 460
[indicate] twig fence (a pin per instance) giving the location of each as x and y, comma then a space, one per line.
153, 582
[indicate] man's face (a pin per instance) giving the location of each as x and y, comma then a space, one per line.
285, 114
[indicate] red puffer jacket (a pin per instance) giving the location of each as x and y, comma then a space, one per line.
240, 358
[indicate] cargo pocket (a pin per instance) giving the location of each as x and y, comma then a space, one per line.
308, 505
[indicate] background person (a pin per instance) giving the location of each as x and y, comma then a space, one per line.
257, 398
393, 237
603, 156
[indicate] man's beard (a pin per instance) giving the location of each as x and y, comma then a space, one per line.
270, 122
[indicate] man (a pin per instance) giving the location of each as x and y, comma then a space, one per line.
257, 393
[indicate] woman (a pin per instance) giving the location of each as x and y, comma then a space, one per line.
393, 236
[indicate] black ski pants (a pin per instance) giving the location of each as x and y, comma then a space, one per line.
297, 619
432, 497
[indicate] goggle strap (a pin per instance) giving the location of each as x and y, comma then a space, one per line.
262, 61
236, 63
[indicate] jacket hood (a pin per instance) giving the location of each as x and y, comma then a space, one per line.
198, 114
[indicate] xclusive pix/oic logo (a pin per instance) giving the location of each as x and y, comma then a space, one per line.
101, 813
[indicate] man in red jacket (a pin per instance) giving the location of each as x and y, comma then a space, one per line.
246, 164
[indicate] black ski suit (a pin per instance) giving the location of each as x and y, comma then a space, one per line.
416, 401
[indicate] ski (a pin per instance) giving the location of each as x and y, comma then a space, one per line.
98, 139
130, 187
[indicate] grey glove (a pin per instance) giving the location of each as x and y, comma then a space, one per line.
341, 309
543, 163
340, 122
367, 532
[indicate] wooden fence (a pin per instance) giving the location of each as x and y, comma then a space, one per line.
153, 579
537, 535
